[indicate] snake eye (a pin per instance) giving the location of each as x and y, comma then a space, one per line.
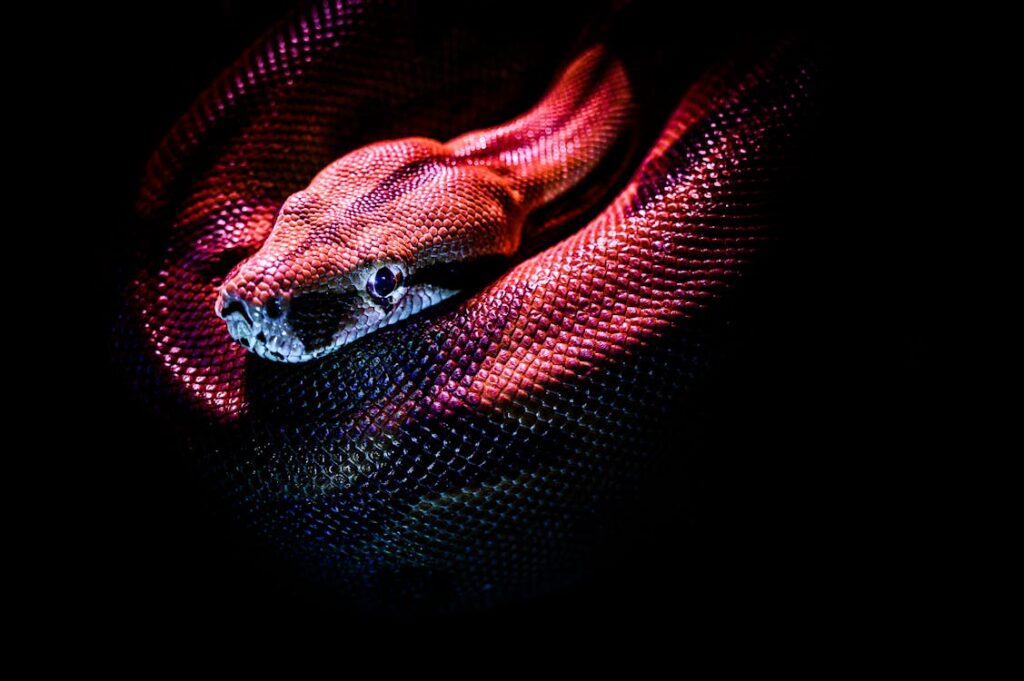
383, 282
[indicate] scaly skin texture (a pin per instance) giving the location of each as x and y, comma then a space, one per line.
472, 453
415, 214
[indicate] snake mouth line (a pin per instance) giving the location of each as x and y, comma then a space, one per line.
280, 346
285, 347
274, 337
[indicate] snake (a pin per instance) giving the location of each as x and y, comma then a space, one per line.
419, 293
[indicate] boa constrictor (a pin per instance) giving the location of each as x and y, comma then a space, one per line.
449, 439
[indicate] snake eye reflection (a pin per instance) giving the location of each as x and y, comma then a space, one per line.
383, 282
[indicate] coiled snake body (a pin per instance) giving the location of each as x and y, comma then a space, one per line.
466, 451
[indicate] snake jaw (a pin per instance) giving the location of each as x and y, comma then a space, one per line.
308, 325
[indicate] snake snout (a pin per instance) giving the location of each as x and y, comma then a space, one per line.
261, 326
233, 309
240, 317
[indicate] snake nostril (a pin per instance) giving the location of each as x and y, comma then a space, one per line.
273, 308
233, 307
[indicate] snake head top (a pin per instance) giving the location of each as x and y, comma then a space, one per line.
394, 227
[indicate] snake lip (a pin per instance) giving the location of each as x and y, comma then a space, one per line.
280, 346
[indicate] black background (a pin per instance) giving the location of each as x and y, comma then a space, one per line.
776, 508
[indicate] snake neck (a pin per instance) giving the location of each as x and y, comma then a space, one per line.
552, 147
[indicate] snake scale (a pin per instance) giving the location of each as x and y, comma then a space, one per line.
470, 451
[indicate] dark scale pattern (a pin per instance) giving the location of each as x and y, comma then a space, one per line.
474, 452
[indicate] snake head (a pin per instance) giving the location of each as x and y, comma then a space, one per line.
379, 235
